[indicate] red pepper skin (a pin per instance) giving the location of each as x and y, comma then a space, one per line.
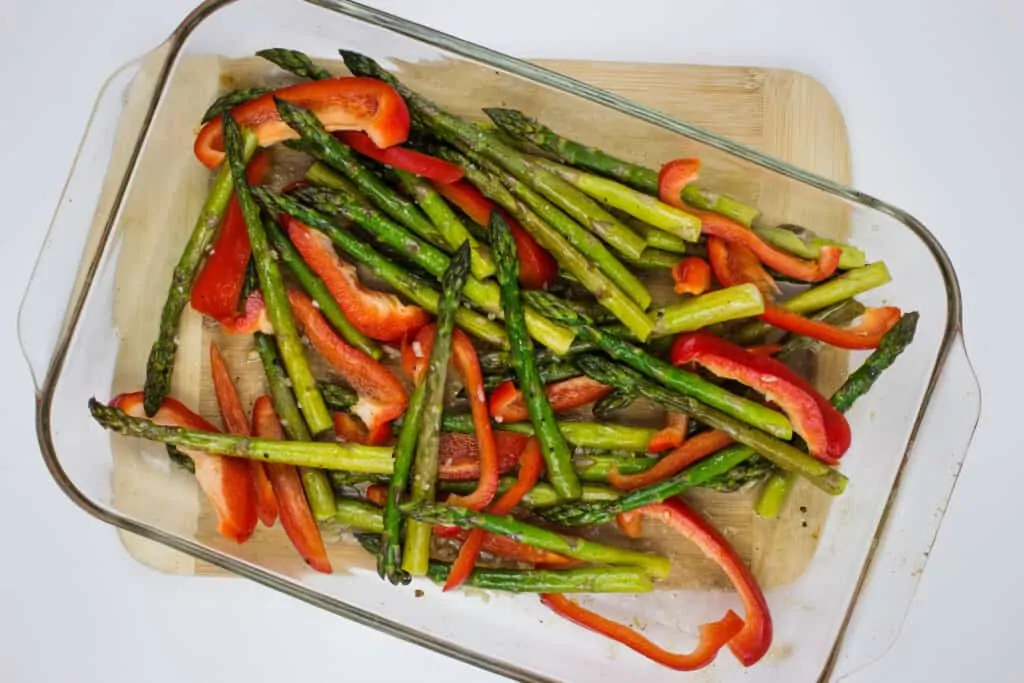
713, 635
227, 482
364, 104
764, 349
404, 159
458, 458
218, 286
735, 264
507, 404
235, 421
378, 315
253, 319
537, 268
531, 464
296, 517
692, 450
824, 428
753, 641
692, 275
629, 523
673, 177
875, 322
382, 397
509, 549
672, 435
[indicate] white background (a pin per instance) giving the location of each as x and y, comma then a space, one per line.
931, 95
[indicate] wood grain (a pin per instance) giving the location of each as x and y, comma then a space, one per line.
782, 113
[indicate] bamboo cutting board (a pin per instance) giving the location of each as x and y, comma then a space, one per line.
783, 113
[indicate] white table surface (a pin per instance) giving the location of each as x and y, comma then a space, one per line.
934, 108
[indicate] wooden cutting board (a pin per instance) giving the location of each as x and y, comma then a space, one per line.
783, 113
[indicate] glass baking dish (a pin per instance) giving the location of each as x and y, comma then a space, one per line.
108, 250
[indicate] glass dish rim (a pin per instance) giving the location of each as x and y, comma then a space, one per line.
537, 74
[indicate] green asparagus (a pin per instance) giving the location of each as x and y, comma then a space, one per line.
337, 397
359, 514
542, 495
294, 61
806, 244
579, 434
230, 100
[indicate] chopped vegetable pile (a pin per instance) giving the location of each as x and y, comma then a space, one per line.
521, 258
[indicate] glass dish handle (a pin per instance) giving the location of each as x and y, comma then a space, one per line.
85, 207
915, 515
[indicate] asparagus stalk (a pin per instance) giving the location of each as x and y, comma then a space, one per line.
840, 314
542, 495
581, 239
499, 361
747, 472
337, 397
779, 485
350, 457
595, 435
659, 239
624, 198
613, 402
556, 453
316, 289
230, 100
318, 488
654, 258
719, 306
779, 452
447, 222
416, 552
359, 514
434, 261
607, 293
398, 278
595, 468
720, 203
807, 244
160, 365
275, 297
551, 372
450, 128
294, 61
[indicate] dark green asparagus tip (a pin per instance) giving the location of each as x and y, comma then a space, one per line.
361, 65
503, 246
294, 61
454, 279
511, 120
553, 308
231, 100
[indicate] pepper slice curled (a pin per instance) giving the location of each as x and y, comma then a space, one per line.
692, 275
507, 403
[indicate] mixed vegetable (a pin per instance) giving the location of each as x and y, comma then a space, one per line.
520, 257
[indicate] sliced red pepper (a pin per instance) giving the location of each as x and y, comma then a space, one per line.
674, 176
510, 549
531, 464
753, 641
764, 349
235, 421
507, 404
692, 450
459, 460
867, 334
692, 275
382, 397
365, 104
629, 523
824, 428
253, 319
378, 495
378, 315
351, 430
713, 635
537, 268
218, 286
227, 482
672, 435
404, 159
735, 264
296, 517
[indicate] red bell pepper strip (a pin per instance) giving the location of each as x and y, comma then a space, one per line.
629, 523
402, 158
352, 430
253, 319
507, 403
226, 481
458, 458
382, 397
753, 641
378, 315
735, 264
875, 322
692, 275
296, 517
216, 289
235, 421
537, 268
824, 428
531, 464
365, 104
692, 450
674, 176
764, 349
672, 435
713, 635
414, 362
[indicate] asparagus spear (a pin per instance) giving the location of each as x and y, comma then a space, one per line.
401, 280
318, 489
160, 365
613, 402
556, 453
579, 434
577, 548
542, 495
659, 239
607, 293
580, 238
595, 468
719, 203
360, 514
499, 361
747, 472
779, 452
294, 61
432, 260
452, 129
337, 397
447, 222
416, 552
551, 372
230, 100
896, 340
624, 198
336, 456
806, 244
279, 311
654, 258
316, 288
841, 314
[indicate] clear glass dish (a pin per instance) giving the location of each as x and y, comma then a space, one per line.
106, 255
